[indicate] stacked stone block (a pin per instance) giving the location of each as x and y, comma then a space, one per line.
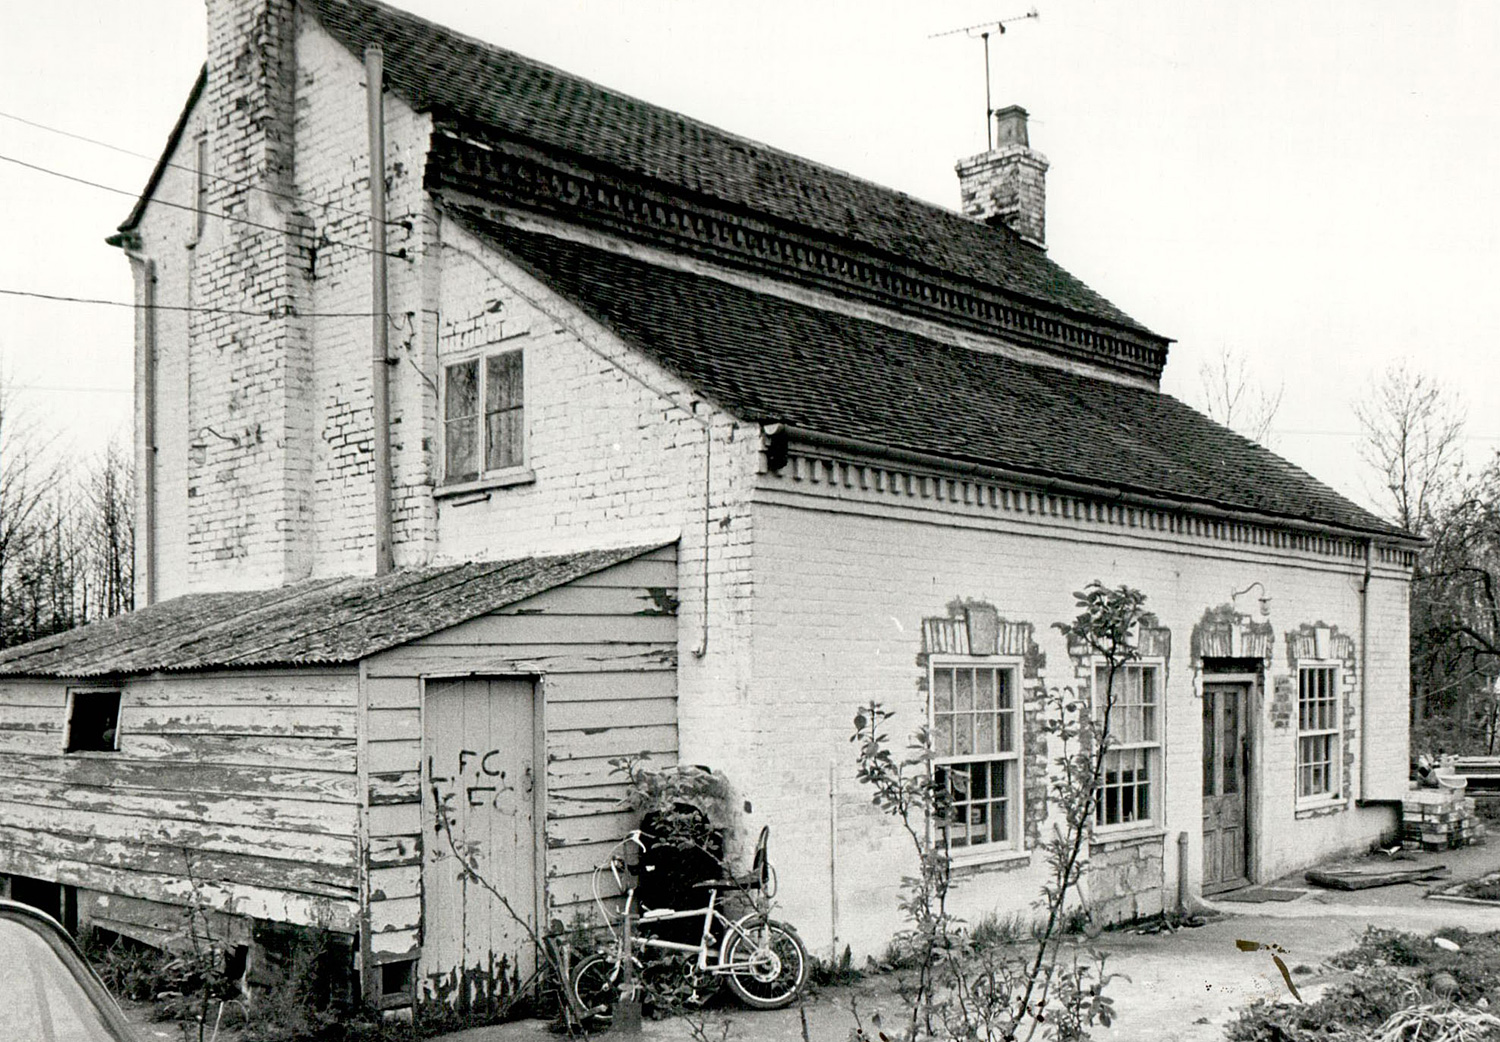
1439, 819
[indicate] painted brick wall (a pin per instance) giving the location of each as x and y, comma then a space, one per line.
170, 239
843, 581
263, 419
618, 450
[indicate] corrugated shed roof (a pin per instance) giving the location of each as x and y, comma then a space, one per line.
317, 622
437, 70
771, 360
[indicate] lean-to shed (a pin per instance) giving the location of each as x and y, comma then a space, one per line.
280, 755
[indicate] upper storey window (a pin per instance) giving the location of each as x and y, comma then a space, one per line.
484, 417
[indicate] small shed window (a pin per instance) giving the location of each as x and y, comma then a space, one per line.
93, 721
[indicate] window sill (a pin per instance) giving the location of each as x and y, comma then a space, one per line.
1115, 837
997, 860
1317, 808
497, 479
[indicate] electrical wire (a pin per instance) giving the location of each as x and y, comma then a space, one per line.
193, 170
268, 313
399, 254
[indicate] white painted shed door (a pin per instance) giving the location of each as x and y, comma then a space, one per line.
478, 746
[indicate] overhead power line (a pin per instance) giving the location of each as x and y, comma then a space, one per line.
238, 183
323, 240
268, 313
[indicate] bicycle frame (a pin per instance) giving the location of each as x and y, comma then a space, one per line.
762, 961
711, 917
710, 914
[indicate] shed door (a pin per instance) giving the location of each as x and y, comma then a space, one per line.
479, 747
1224, 818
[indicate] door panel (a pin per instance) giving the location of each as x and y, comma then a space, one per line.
1225, 832
478, 777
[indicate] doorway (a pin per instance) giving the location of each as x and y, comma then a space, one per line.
479, 798
1226, 822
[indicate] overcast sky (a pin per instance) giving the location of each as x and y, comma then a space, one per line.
1312, 184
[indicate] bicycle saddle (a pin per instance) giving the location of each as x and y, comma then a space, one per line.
758, 876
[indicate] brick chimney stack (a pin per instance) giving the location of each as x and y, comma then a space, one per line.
249, 365
1008, 184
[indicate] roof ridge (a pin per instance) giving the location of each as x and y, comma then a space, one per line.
703, 123
568, 119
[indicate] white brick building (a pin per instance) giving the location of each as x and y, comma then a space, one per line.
883, 441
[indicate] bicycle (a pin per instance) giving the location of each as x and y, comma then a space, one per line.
763, 960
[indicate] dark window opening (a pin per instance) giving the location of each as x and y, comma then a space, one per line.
56, 899
396, 979
94, 722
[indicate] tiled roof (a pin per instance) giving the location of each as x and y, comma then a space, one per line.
457, 77
771, 360
319, 621
139, 209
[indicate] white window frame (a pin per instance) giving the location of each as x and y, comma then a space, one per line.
482, 477
1151, 749
1335, 735
73, 693
1015, 760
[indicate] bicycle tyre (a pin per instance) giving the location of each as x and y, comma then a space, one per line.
778, 959
594, 988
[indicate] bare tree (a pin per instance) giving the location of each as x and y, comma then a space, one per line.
107, 531
27, 484
1233, 397
1412, 430
67, 533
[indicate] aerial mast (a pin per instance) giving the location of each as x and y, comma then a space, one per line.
982, 31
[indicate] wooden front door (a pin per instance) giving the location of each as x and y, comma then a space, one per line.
1225, 822
479, 802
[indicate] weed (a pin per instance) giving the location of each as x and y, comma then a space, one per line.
1391, 993
833, 973
130, 969
993, 930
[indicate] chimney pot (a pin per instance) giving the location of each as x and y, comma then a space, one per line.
1010, 127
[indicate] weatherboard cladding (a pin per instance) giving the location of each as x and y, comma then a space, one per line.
771, 360
471, 83
319, 621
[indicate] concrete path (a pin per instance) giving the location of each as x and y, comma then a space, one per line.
1182, 987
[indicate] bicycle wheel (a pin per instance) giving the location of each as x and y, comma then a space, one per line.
774, 963
595, 988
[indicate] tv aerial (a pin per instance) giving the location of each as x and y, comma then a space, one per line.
982, 31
